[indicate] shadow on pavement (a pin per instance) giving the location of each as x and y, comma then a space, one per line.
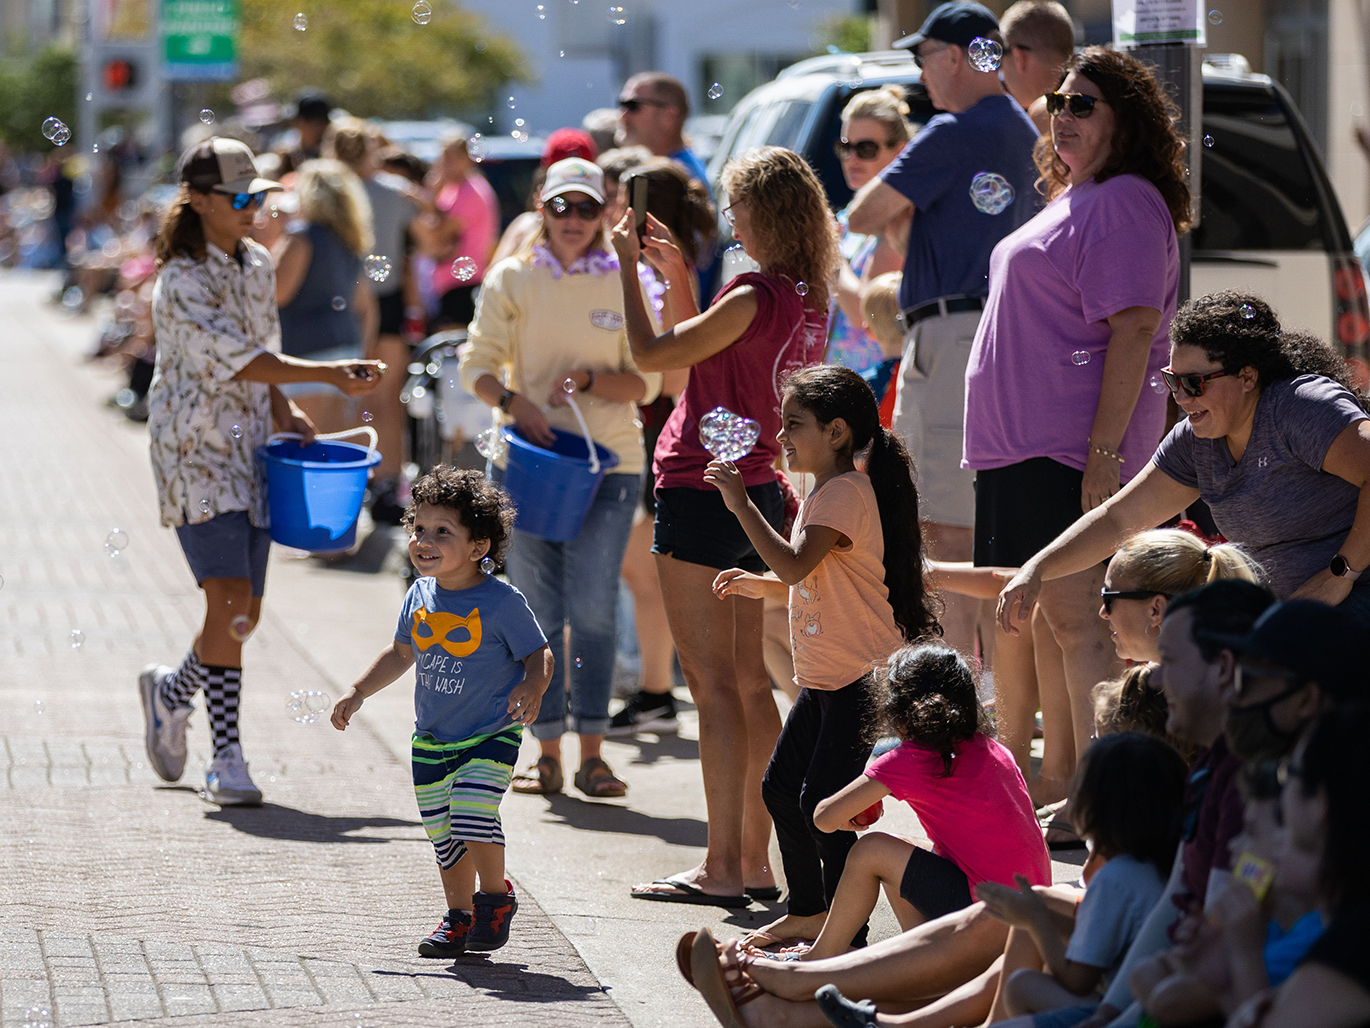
367, 559
505, 981
651, 748
611, 817
273, 821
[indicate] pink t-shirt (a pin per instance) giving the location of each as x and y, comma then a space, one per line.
474, 204
746, 378
981, 818
841, 622
1037, 365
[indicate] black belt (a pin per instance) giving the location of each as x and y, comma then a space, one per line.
940, 307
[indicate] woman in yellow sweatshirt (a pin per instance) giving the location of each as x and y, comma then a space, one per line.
552, 312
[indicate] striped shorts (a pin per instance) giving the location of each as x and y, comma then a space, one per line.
459, 786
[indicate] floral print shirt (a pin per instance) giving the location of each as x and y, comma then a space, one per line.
212, 318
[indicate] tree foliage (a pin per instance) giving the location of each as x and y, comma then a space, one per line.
32, 89
372, 58
849, 33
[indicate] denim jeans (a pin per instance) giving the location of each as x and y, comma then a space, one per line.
577, 583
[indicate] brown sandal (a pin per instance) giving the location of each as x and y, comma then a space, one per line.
598, 781
542, 779
721, 978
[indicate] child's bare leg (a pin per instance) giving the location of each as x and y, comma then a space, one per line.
488, 858
1019, 952
1031, 992
459, 882
966, 1004
877, 859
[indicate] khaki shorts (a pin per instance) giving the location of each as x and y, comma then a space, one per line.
929, 415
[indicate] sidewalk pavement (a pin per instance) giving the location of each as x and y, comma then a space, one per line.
129, 899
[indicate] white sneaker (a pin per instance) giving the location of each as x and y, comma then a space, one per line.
227, 782
166, 728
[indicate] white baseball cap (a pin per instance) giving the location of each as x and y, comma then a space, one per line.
574, 175
224, 166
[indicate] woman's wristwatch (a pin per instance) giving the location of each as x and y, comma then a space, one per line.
1342, 569
506, 398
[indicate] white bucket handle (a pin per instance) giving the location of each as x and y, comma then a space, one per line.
584, 430
359, 430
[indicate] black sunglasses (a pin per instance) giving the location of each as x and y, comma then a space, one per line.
866, 149
632, 103
241, 201
1109, 595
1081, 104
586, 210
1191, 385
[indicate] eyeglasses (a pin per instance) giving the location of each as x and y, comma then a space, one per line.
1081, 105
1241, 675
586, 210
1109, 595
865, 149
728, 215
632, 104
920, 55
241, 201
1192, 385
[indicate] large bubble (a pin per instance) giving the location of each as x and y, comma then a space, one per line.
726, 435
991, 192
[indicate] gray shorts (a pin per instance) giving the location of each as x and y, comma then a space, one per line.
929, 415
226, 546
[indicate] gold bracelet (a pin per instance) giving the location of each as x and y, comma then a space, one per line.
1104, 451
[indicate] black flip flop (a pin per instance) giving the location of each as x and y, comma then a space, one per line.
764, 893
1059, 824
689, 894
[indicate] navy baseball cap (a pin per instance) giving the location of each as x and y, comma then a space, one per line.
1319, 643
958, 23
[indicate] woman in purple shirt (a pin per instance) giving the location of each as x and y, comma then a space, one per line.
1064, 401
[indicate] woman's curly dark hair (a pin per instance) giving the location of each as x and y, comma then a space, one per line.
1239, 330
926, 695
485, 510
1145, 140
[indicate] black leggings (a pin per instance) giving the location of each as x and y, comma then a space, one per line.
821, 749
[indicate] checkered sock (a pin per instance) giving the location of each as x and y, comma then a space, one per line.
222, 685
184, 682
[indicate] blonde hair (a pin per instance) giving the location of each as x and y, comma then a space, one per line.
331, 195
792, 231
885, 105
1173, 562
348, 140
1130, 703
880, 308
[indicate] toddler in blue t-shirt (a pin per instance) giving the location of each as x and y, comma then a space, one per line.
481, 667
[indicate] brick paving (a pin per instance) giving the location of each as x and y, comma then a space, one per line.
125, 899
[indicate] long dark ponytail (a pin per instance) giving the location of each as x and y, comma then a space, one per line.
829, 392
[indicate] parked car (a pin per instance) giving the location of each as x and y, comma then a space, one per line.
1270, 221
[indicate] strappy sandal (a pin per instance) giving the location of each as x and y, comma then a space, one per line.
542, 779
597, 780
722, 978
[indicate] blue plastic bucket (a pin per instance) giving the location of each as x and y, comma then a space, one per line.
553, 488
315, 492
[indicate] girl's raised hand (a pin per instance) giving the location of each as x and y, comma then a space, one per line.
724, 476
736, 582
1019, 907
624, 237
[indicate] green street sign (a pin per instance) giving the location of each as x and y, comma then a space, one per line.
200, 39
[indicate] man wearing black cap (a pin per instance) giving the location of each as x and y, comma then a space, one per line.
967, 178
312, 117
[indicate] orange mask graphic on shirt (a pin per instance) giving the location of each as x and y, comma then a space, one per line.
436, 629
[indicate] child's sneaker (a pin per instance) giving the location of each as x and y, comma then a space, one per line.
645, 712
165, 736
227, 782
493, 914
449, 938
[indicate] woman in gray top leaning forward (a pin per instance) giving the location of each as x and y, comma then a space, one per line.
1275, 442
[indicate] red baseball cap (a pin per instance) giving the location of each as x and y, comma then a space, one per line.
568, 142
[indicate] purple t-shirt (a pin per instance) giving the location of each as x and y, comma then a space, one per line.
1097, 249
1276, 501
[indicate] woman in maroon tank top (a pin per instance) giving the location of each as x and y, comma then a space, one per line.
759, 328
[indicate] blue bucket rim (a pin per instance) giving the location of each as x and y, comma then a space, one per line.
608, 459
370, 458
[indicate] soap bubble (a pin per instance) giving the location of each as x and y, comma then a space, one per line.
542, 13
61, 135
519, 122
991, 193
802, 288
792, 4
715, 91
569, 386
487, 566
37, 1017
338, 304
491, 444
1215, 17
240, 627
1157, 384
308, 706
207, 116
205, 507
422, 12
481, 46
477, 148
985, 54
301, 22
1208, 142
579, 662
734, 253
50, 127
726, 435
464, 269
512, 103
116, 541
90, 97
1079, 357
367, 417
377, 267
236, 431
1248, 311
78, 638
38, 706
617, 16
561, 53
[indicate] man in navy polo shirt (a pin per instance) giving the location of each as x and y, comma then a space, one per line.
967, 179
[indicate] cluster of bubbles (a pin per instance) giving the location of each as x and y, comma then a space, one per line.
338, 304
715, 91
37, 1017
617, 16
207, 116
487, 565
519, 132
1248, 311
56, 132
1079, 357
476, 148
464, 269
491, 444
991, 193
301, 22
985, 54
377, 267
116, 542
422, 12
726, 435
308, 706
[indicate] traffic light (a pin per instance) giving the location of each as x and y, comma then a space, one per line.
119, 75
